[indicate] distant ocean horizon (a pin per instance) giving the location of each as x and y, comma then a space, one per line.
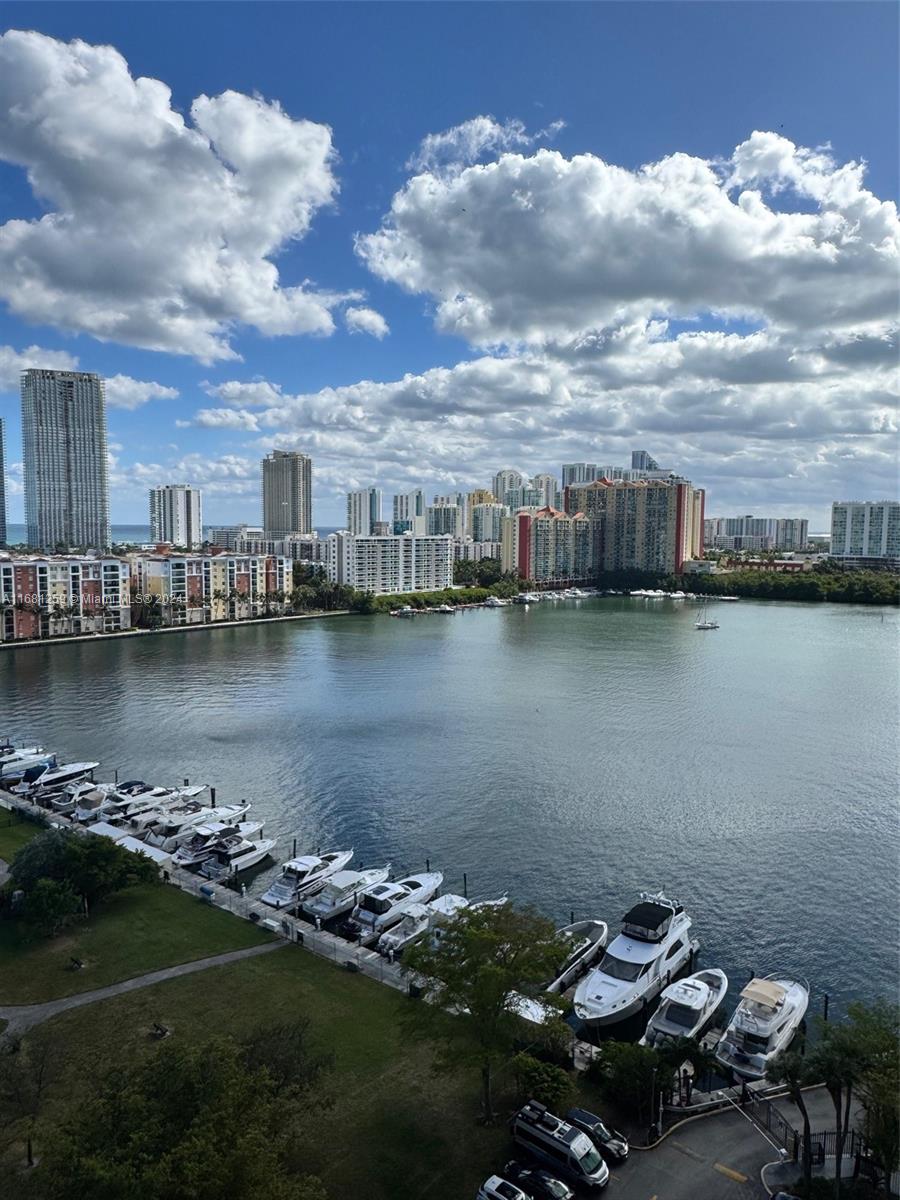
15, 533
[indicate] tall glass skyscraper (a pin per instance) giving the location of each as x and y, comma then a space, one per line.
286, 493
66, 468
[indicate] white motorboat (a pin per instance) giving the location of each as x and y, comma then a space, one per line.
405, 611
654, 945
177, 825
204, 838
231, 855
340, 893
418, 920
11, 754
686, 1007
117, 800
704, 620
382, 906
302, 876
586, 941
66, 801
768, 1015
157, 799
11, 771
495, 602
52, 779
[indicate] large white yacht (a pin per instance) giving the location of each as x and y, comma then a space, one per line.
204, 838
231, 855
418, 920
654, 945
176, 826
301, 876
686, 1007
767, 1017
340, 893
381, 906
40, 781
12, 770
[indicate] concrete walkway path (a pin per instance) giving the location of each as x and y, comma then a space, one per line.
22, 1017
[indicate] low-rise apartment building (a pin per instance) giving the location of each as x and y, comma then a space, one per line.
45, 596
192, 589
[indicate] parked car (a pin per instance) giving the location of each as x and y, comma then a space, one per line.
558, 1146
496, 1188
611, 1144
537, 1183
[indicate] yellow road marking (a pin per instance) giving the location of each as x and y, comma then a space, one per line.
735, 1175
687, 1150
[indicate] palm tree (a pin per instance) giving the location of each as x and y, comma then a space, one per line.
220, 597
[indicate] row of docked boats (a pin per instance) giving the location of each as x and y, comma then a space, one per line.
180, 826
643, 961
608, 982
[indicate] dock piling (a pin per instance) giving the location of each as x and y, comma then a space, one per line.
465, 885
212, 796
825, 1008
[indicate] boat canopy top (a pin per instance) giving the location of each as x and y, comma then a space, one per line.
765, 992
649, 920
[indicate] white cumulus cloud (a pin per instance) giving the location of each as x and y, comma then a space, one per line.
124, 392
159, 231
366, 320
467, 142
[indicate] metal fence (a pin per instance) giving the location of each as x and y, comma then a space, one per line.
338, 950
764, 1114
856, 1150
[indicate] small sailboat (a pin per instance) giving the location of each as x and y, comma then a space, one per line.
704, 620
686, 1008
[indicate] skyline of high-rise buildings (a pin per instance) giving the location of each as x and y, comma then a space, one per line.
65, 459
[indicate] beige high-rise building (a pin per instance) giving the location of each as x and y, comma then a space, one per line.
286, 493
642, 525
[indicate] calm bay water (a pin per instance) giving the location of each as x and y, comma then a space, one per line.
571, 754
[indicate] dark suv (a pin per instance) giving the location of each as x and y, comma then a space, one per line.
611, 1144
538, 1183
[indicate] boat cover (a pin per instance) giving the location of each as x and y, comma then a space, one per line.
764, 991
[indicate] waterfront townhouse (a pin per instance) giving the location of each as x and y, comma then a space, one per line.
547, 545
53, 595
390, 564
641, 525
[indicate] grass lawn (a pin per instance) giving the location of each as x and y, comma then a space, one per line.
139, 930
13, 837
394, 1129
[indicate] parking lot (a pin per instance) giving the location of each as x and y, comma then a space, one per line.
712, 1158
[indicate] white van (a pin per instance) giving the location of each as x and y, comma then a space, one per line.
563, 1148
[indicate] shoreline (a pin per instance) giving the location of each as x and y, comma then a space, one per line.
29, 643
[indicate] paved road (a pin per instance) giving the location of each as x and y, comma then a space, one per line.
712, 1158
21, 1017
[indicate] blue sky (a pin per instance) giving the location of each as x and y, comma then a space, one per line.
634, 84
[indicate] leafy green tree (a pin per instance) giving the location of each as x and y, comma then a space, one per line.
874, 1034
28, 1070
543, 1081
834, 1059
488, 957
43, 857
632, 1077
91, 867
50, 906
363, 602
196, 1121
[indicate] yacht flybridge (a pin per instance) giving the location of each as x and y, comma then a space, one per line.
340, 893
654, 945
586, 941
381, 906
764, 1023
301, 876
686, 1008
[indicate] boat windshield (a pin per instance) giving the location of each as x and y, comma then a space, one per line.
680, 1014
375, 904
618, 968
